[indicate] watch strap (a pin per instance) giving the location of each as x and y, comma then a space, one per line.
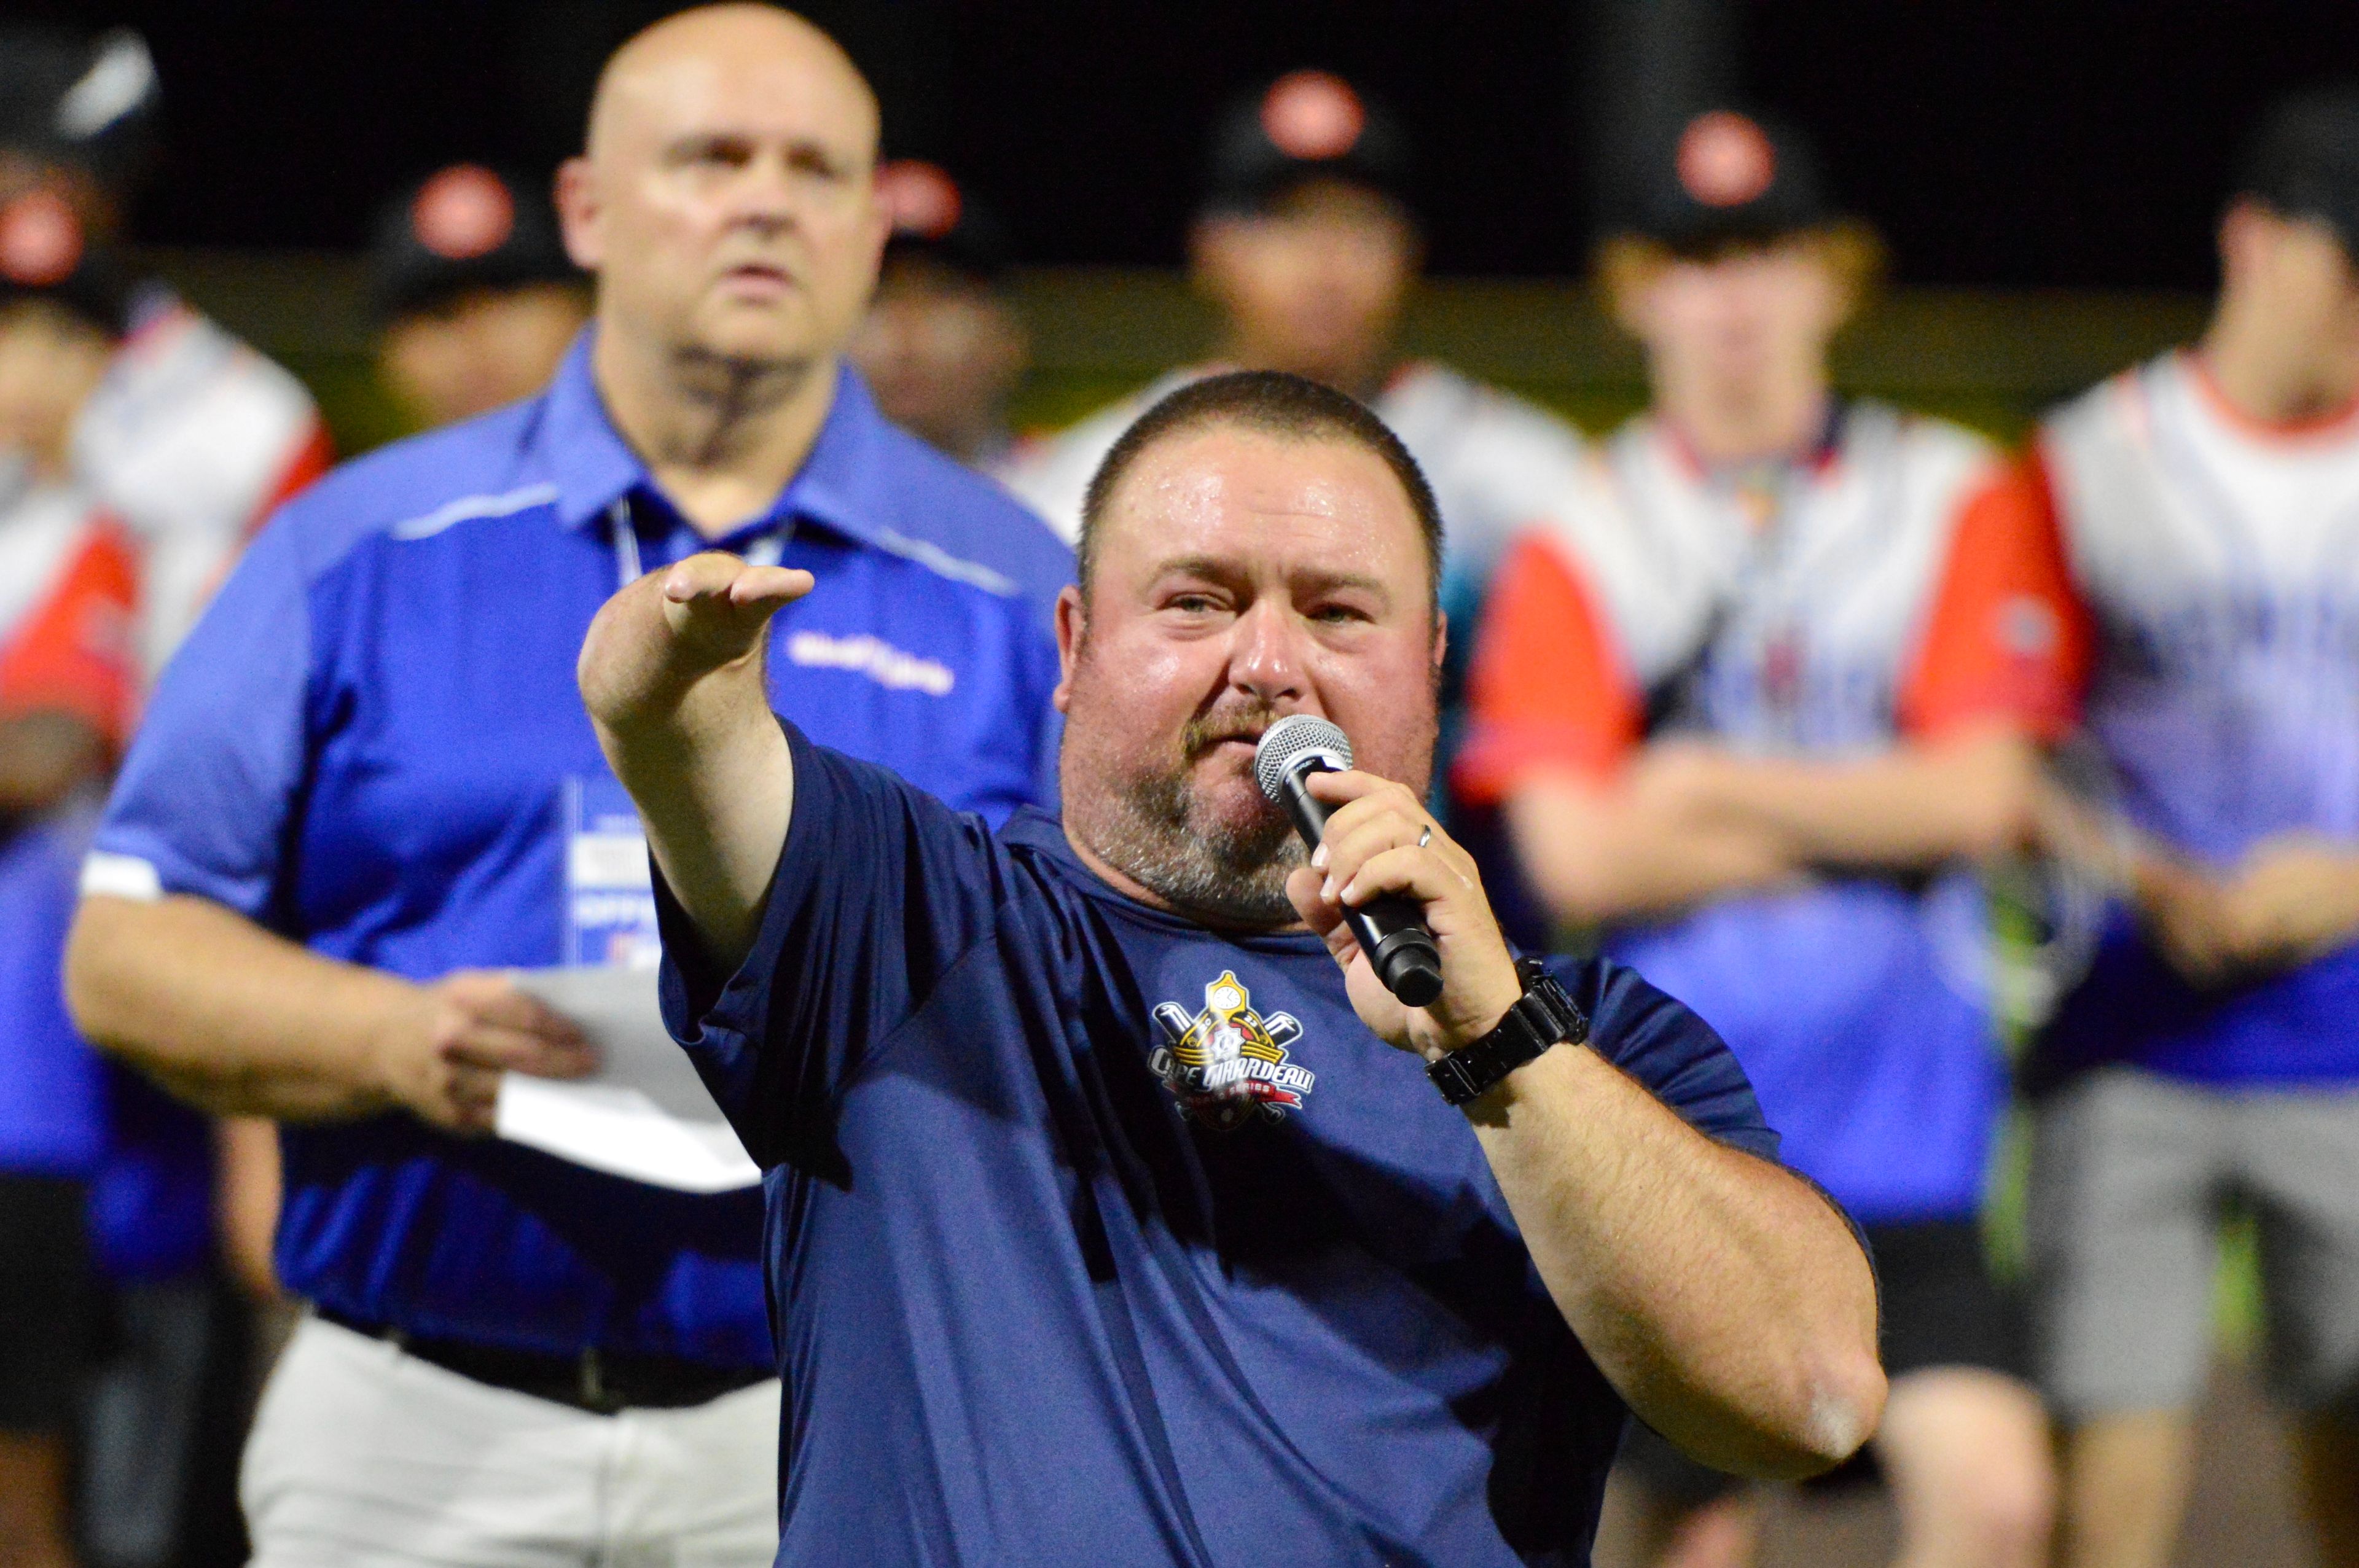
1543, 1016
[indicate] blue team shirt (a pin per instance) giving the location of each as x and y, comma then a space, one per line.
1041, 1295
373, 743
1884, 1081
52, 1087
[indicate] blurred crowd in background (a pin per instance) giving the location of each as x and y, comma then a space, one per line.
2000, 805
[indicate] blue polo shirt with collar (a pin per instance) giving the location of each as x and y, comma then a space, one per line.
372, 745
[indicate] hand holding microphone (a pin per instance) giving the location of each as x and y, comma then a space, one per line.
1406, 917
1390, 929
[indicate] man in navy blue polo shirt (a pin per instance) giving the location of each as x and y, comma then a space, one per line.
364, 790
1107, 1223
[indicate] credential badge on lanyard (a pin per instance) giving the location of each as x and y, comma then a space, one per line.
610, 901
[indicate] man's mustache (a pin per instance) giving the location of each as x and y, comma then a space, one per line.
1202, 733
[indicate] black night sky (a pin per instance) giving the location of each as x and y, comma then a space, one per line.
2075, 143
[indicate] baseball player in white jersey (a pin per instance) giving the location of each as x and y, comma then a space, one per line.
1307, 241
2211, 1060
187, 441
68, 585
192, 440
193, 437
1779, 669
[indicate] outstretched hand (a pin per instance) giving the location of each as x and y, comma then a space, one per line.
671, 673
1372, 847
663, 633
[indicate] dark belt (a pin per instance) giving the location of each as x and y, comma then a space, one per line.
599, 1381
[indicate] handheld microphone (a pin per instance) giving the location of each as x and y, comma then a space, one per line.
1391, 929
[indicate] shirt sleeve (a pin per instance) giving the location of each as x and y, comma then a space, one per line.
2007, 636
1669, 1051
77, 653
205, 796
1548, 689
880, 890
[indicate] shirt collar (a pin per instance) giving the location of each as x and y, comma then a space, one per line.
840, 485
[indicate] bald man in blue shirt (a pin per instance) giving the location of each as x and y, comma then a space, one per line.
1112, 1220
359, 795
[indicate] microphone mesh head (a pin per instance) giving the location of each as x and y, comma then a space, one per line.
1290, 740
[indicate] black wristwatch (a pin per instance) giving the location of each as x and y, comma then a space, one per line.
1543, 1016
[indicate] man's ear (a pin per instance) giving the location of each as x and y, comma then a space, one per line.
1441, 639
880, 227
1072, 626
577, 211
2243, 238
1211, 242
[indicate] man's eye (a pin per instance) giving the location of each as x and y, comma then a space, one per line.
1194, 603
1338, 615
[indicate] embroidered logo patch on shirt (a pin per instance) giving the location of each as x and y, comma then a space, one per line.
1228, 1063
874, 657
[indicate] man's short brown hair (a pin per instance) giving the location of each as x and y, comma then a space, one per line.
1270, 403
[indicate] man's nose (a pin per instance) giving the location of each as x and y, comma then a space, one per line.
1266, 657
763, 196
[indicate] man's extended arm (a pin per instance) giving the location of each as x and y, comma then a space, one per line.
671, 673
1726, 1299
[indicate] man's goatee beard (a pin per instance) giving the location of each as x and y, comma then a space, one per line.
1223, 876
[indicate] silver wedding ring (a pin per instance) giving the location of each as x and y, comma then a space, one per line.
1425, 837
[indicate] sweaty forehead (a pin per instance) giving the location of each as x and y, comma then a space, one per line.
742, 70
1232, 492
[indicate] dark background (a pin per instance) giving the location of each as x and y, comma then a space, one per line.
2075, 143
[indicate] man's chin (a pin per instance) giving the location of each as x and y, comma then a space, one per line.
756, 333
1228, 808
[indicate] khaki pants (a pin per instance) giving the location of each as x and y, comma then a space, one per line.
363, 1456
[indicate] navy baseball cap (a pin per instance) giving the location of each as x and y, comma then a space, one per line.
1305, 125
1724, 178
46, 254
461, 228
68, 98
936, 218
2304, 159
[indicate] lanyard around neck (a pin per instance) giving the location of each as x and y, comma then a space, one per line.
766, 550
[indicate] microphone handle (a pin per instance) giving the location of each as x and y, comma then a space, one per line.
1391, 929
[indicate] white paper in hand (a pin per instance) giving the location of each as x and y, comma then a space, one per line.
645, 1114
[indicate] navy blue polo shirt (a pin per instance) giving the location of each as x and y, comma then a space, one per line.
372, 745
1096, 1237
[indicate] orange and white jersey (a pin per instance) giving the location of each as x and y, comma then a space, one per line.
2220, 557
192, 440
1496, 462
68, 581
1903, 579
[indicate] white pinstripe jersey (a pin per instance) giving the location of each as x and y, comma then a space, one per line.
2221, 560
1782, 614
192, 440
